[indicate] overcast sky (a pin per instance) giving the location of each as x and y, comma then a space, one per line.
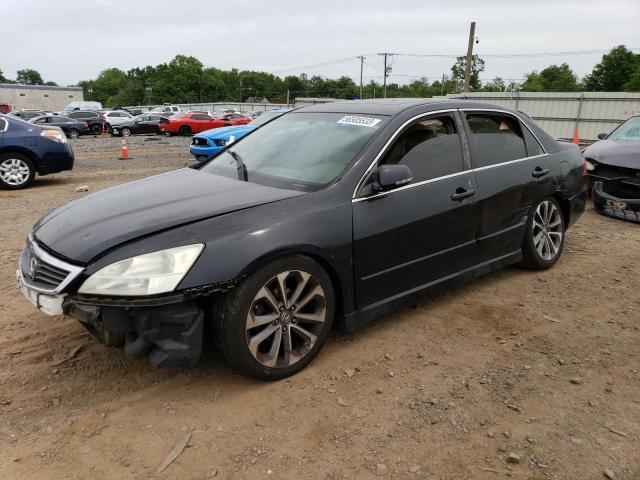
71, 41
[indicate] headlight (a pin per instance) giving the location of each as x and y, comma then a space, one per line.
55, 135
147, 274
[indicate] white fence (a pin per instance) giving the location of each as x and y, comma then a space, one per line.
218, 106
559, 113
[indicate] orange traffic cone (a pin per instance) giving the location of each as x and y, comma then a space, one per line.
124, 154
576, 136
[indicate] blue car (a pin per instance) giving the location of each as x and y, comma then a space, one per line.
209, 143
27, 149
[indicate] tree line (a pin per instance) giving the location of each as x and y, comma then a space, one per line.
186, 80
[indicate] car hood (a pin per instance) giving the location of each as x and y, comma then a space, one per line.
226, 132
85, 228
615, 153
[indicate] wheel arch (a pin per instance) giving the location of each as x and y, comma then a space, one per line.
23, 151
565, 207
315, 254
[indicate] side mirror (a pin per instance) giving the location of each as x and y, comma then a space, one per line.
393, 176
602, 136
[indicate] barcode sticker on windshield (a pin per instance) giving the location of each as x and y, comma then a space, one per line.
360, 121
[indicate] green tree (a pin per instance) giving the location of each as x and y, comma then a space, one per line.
614, 70
554, 78
633, 85
495, 85
458, 71
29, 76
3, 79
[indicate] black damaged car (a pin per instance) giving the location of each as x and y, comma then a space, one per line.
332, 215
614, 171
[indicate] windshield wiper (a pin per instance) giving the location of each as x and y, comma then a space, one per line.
243, 174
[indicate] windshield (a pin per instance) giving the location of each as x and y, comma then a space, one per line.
629, 131
299, 151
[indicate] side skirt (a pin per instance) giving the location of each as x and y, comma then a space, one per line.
359, 318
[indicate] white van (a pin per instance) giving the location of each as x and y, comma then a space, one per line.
73, 106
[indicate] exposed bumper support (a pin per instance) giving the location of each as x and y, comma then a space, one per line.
169, 335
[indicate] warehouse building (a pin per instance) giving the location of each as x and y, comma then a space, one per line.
39, 96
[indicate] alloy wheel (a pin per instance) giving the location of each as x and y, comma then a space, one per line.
285, 319
14, 171
547, 230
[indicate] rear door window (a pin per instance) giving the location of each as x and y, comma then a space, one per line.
430, 148
495, 139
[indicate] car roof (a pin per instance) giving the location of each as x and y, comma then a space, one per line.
393, 106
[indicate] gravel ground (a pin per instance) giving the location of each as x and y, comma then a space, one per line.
518, 374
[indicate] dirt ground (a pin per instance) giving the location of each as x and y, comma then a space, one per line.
541, 367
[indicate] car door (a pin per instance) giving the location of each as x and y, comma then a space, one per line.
416, 235
512, 171
144, 125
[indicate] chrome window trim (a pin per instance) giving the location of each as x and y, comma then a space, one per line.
411, 185
38, 252
424, 182
391, 139
6, 124
487, 167
507, 113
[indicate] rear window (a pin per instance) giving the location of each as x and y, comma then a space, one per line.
495, 139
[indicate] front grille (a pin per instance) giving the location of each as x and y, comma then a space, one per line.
43, 271
200, 142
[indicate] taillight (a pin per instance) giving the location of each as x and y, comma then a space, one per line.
85, 125
584, 168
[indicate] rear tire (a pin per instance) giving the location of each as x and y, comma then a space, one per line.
16, 171
185, 131
73, 133
544, 236
96, 129
268, 335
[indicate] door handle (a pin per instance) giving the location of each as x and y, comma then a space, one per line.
539, 172
462, 193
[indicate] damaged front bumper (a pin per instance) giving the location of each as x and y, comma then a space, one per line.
617, 198
169, 335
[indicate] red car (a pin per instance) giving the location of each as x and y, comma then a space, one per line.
189, 123
234, 119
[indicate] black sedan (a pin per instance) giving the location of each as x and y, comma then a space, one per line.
146, 123
72, 128
27, 149
333, 214
614, 171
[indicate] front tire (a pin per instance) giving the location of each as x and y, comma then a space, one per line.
544, 237
125, 132
16, 171
276, 320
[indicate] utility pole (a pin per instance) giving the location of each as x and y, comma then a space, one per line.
385, 72
240, 92
442, 86
467, 70
287, 98
361, 66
